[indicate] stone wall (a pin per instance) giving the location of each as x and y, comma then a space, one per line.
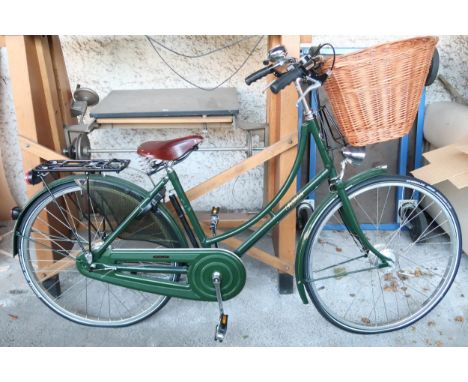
105, 63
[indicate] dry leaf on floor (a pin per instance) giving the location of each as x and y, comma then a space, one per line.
365, 320
431, 323
460, 319
13, 317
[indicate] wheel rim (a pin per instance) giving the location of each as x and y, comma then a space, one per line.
47, 257
379, 300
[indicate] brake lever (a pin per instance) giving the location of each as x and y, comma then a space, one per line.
268, 86
315, 84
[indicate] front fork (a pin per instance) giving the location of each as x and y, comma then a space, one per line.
350, 221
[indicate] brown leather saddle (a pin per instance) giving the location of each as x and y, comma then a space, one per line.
173, 149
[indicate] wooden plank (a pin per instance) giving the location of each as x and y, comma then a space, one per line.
230, 219
55, 268
32, 119
287, 119
164, 120
62, 82
306, 39
39, 150
258, 254
285, 144
50, 92
2, 41
273, 105
31, 114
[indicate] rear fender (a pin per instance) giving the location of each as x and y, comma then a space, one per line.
112, 180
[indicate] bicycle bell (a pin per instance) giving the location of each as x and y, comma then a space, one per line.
277, 53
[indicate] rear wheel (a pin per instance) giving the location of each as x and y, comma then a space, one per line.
55, 231
424, 244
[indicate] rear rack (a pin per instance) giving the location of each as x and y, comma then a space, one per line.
87, 166
92, 166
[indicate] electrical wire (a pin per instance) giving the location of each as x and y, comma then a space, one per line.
202, 54
198, 86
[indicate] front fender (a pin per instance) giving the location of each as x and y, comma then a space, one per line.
119, 182
307, 232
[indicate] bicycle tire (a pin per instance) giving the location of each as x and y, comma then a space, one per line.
346, 295
51, 290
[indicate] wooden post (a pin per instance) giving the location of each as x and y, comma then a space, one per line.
282, 119
39, 120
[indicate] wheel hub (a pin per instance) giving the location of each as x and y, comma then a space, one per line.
387, 252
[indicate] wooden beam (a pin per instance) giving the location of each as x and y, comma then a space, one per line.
257, 254
164, 120
55, 268
31, 113
62, 82
285, 144
283, 122
230, 219
50, 92
273, 128
38, 150
33, 120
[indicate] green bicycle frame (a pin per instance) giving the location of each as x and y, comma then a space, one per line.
338, 190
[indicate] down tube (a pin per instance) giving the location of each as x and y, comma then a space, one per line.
291, 204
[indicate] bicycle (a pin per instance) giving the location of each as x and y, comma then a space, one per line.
101, 251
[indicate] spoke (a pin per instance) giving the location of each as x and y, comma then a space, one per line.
365, 212
118, 299
51, 226
406, 221
48, 248
343, 262
432, 273
383, 297
64, 217
67, 226
48, 239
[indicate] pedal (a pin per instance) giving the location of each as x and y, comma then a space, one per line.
221, 328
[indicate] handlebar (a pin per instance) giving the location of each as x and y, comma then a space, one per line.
308, 67
259, 74
286, 78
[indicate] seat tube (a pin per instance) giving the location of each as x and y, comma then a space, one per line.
186, 206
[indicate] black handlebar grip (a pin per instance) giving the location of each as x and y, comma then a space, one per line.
258, 74
286, 79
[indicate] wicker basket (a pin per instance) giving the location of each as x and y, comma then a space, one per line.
375, 93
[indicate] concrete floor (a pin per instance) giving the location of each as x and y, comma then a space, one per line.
259, 316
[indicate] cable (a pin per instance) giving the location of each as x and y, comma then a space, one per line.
192, 83
202, 54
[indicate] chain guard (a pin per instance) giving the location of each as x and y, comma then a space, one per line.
231, 268
199, 265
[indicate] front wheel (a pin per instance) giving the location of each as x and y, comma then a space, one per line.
344, 281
